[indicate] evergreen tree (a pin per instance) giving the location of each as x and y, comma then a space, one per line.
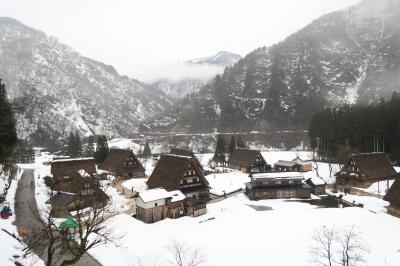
89, 151
146, 150
74, 145
239, 142
219, 154
8, 134
232, 145
371, 128
78, 145
101, 149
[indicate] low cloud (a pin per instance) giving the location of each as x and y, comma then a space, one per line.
179, 71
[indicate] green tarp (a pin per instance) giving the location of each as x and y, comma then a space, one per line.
69, 224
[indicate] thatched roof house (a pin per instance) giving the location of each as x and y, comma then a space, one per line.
248, 161
393, 196
71, 167
62, 203
123, 164
364, 169
186, 153
174, 172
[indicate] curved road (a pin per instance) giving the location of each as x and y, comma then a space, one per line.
27, 214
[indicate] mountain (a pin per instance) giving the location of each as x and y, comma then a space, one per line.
60, 90
345, 57
222, 59
197, 73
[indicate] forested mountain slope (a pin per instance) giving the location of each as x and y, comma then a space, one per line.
349, 56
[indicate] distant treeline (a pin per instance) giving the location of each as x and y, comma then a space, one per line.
337, 132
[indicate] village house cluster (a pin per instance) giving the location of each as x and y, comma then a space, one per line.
178, 187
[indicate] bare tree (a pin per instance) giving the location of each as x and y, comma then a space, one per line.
351, 249
332, 246
69, 245
184, 255
315, 167
322, 250
44, 240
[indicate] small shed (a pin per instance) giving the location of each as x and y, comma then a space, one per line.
318, 185
131, 187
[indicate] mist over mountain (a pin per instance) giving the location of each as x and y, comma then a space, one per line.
62, 91
194, 74
345, 57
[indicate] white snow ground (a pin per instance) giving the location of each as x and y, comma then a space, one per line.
240, 235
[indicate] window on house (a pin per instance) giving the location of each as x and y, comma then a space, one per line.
189, 180
155, 204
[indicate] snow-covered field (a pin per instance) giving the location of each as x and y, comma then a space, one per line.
227, 182
240, 235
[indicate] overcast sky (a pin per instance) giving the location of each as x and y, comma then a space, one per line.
146, 38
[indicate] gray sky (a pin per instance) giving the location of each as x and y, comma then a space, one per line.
147, 38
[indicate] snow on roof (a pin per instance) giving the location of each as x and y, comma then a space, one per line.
317, 180
122, 143
135, 184
101, 171
74, 159
160, 193
278, 175
177, 156
83, 173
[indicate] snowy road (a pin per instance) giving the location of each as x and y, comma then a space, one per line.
27, 213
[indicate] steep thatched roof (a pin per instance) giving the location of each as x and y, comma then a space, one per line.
115, 161
70, 167
185, 153
61, 199
393, 195
64, 199
244, 157
170, 170
373, 165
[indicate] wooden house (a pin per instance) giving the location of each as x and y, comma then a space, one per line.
70, 167
62, 203
73, 175
286, 166
317, 184
393, 196
304, 166
157, 204
364, 169
295, 165
176, 172
123, 164
249, 161
277, 185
